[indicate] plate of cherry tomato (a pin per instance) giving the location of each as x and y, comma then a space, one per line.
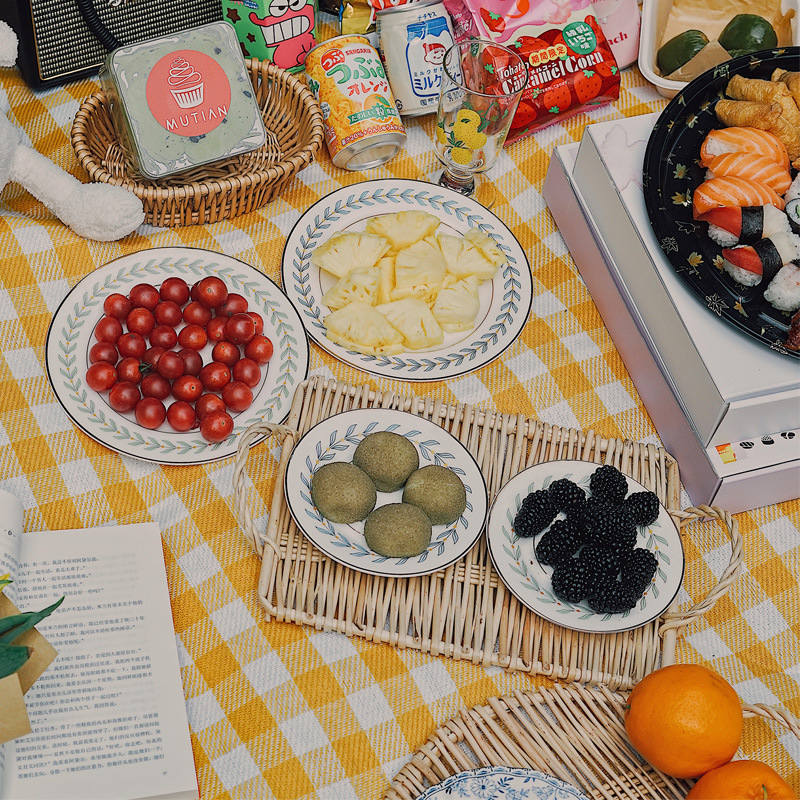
168, 354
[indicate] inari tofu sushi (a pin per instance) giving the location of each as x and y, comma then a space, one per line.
732, 192
743, 140
750, 264
732, 225
751, 167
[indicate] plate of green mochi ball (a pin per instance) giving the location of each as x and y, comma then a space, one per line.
386, 492
585, 546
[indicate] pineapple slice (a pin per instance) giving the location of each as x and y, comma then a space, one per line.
414, 320
344, 252
463, 258
403, 228
359, 284
360, 327
486, 245
457, 305
385, 279
419, 271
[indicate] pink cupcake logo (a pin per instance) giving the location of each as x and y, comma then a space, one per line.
185, 83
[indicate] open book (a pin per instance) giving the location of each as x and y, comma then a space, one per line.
108, 717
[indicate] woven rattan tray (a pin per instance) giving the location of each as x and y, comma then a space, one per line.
573, 732
465, 611
226, 189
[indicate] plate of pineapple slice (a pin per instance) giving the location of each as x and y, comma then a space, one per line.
407, 280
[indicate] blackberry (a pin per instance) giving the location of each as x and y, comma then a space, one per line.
601, 563
535, 514
643, 507
638, 569
567, 495
560, 542
611, 597
600, 520
609, 484
621, 540
571, 580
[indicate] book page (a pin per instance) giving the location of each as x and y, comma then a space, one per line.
108, 716
10, 539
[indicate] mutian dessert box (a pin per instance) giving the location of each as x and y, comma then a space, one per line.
182, 101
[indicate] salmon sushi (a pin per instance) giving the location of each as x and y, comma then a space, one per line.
743, 140
729, 226
751, 167
732, 192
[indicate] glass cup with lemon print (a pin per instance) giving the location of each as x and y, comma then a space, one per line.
482, 83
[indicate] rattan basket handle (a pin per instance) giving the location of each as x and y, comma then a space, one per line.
259, 430
676, 621
773, 714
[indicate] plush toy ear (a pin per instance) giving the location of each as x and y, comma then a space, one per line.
8, 45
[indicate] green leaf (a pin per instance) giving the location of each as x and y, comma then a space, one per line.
34, 619
489, 68
12, 657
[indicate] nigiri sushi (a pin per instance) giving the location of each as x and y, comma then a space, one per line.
732, 192
784, 289
750, 264
752, 167
732, 225
743, 140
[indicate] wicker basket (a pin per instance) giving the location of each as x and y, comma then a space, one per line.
223, 190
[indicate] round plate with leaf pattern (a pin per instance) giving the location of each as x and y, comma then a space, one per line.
672, 171
502, 783
505, 301
515, 560
71, 334
335, 439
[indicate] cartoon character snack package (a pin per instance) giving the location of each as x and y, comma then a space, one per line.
570, 64
280, 31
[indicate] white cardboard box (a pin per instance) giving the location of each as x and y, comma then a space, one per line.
670, 342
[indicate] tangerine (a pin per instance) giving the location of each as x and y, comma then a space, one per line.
685, 719
742, 780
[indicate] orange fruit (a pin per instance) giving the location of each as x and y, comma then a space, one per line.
742, 780
685, 719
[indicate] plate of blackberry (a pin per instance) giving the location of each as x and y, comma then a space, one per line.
585, 546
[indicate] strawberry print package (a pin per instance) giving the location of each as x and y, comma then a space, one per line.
570, 64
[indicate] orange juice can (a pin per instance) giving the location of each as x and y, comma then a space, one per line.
362, 125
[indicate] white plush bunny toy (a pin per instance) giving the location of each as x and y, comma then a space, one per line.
93, 210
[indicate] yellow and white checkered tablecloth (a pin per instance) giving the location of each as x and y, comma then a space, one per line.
278, 710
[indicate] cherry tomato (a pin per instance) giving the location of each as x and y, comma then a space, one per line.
170, 366
132, 344
181, 416
237, 396
258, 321
226, 352
193, 337
240, 329
150, 413
259, 348
101, 376
194, 292
196, 314
128, 370
109, 329
123, 397
215, 329
168, 313
235, 304
175, 289
152, 354
212, 292
192, 361
163, 336
187, 388
117, 305
103, 351
216, 426
247, 371
141, 321
214, 376
153, 385
143, 295
208, 403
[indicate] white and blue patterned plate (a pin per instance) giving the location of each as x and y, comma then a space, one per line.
505, 300
515, 560
502, 783
71, 335
335, 439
